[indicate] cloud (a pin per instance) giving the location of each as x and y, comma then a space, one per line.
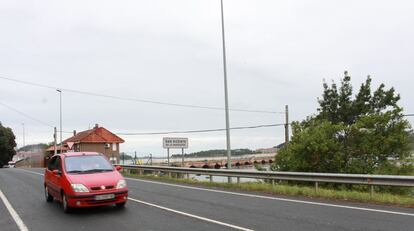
278, 53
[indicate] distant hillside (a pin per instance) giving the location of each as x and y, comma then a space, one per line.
124, 156
33, 147
217, 153
280, 146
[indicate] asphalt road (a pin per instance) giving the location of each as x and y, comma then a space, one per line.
162, 206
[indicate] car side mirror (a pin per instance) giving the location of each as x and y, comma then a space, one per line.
57, 172
118, 168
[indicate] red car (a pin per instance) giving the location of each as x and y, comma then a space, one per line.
84, 179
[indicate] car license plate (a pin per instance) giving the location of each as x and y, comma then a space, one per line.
104, 197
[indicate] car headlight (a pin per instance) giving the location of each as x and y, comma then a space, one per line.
121, 184
79, 188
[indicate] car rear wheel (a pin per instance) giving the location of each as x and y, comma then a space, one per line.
66, 207
48, 197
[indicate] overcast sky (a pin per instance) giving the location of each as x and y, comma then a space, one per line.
279, 52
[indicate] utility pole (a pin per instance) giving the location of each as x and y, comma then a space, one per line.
150, 159
60, 107
226, 97
55, 138
287, 125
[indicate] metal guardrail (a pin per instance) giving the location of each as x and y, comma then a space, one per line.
372, 180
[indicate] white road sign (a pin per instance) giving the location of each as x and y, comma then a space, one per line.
174, 142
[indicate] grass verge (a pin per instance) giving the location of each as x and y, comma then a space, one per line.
293, 190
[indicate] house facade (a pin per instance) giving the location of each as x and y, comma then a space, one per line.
97, 139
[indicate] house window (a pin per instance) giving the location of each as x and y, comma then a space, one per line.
114, 147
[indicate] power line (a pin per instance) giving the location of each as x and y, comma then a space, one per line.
148, 133
205, 130
136, 99
26, 115
29, 117
196, 131
157, 133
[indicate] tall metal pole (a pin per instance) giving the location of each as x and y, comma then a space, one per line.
55, 138
226, 97
60, 109
287, 125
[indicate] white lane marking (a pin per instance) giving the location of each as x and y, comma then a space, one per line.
191, 215
174, 211
269, 198
13, 213
24, 170
277, 198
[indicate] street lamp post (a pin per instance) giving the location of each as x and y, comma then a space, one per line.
60, 109
54, 139
226, 97
226, 100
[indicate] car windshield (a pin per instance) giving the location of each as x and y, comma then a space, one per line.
87, 164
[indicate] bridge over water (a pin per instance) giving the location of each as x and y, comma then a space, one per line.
221, 162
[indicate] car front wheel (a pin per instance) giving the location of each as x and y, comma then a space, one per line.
65, 205
48, 197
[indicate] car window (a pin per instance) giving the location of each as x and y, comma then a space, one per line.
58, 164
51, 164
87, 164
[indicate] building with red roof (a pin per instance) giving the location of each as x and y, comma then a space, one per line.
97, 139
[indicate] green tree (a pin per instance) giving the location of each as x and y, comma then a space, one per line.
7, 145
313, 148
350, 134
412, 144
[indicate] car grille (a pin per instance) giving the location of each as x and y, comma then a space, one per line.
97, 188
94, 202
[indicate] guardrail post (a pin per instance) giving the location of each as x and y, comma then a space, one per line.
273, 184
188, 176
169, 174
371, 191
211, 178
316, 187
238, 181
